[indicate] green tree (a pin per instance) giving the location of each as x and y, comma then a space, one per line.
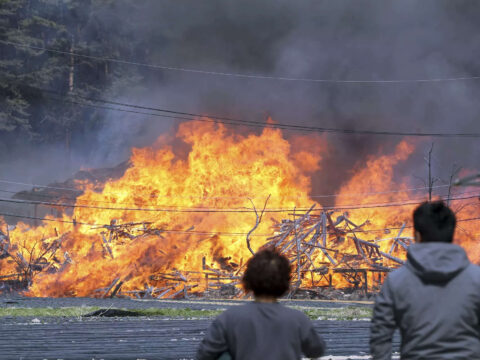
84, 27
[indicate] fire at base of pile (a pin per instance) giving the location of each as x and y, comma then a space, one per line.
319, 247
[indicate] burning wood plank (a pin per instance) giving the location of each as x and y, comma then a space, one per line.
393, 258
110, 287
106, 246
397, 241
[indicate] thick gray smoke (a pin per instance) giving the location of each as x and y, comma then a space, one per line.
344, 40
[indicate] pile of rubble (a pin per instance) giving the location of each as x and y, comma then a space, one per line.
321, 248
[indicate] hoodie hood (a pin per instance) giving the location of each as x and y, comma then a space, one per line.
436, 262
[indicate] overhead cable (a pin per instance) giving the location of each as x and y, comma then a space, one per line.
167, 113
74, 222
229, 197
242, 75
77, 200
260, 124
224, 210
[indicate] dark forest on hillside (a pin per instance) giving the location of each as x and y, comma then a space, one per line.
27, 108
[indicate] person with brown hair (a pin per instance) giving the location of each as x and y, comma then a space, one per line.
263, 329
434, 299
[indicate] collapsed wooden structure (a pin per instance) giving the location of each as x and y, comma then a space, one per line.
322, 248
309, 237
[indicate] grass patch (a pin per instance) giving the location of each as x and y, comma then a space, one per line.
81, 311
344, 313
178, 312
43, 312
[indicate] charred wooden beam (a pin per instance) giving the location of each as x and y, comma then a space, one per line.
110, 287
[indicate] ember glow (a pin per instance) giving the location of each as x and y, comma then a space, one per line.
197, 207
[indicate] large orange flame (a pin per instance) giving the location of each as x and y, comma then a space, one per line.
197, 208
221, 171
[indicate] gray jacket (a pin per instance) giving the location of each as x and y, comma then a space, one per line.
261, 331
435, 302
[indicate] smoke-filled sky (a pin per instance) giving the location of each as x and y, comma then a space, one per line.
344, 40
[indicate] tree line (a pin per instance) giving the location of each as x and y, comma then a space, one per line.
85, 27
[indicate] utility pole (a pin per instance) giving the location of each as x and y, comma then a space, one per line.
71, 87
71, 73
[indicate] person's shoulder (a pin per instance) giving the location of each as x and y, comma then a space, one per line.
398, 273
238, 310
398, 277
470, 277
473, 270
294, 313
232, 314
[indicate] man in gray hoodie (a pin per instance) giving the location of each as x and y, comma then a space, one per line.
434, 299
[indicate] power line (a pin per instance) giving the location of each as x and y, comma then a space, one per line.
104, 225
222, 210
282, 126
205, 232
236, 122
379, 192
201, 118
249, 123
392, 204
225, 197
89, 98
80, 201
209, 209
88, 202
245, 76
186, 210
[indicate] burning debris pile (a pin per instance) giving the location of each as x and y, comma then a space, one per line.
328, 251
317, 246
177, 221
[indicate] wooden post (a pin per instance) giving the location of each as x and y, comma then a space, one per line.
324, 229
365, 283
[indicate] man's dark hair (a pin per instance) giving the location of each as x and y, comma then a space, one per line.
267, 274
434, 221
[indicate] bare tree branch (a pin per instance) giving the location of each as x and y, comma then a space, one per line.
455, 170
257, 222
431, 180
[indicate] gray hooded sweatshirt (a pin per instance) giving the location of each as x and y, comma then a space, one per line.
435, 302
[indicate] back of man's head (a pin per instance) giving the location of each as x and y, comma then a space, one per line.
434, 221
267, 274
